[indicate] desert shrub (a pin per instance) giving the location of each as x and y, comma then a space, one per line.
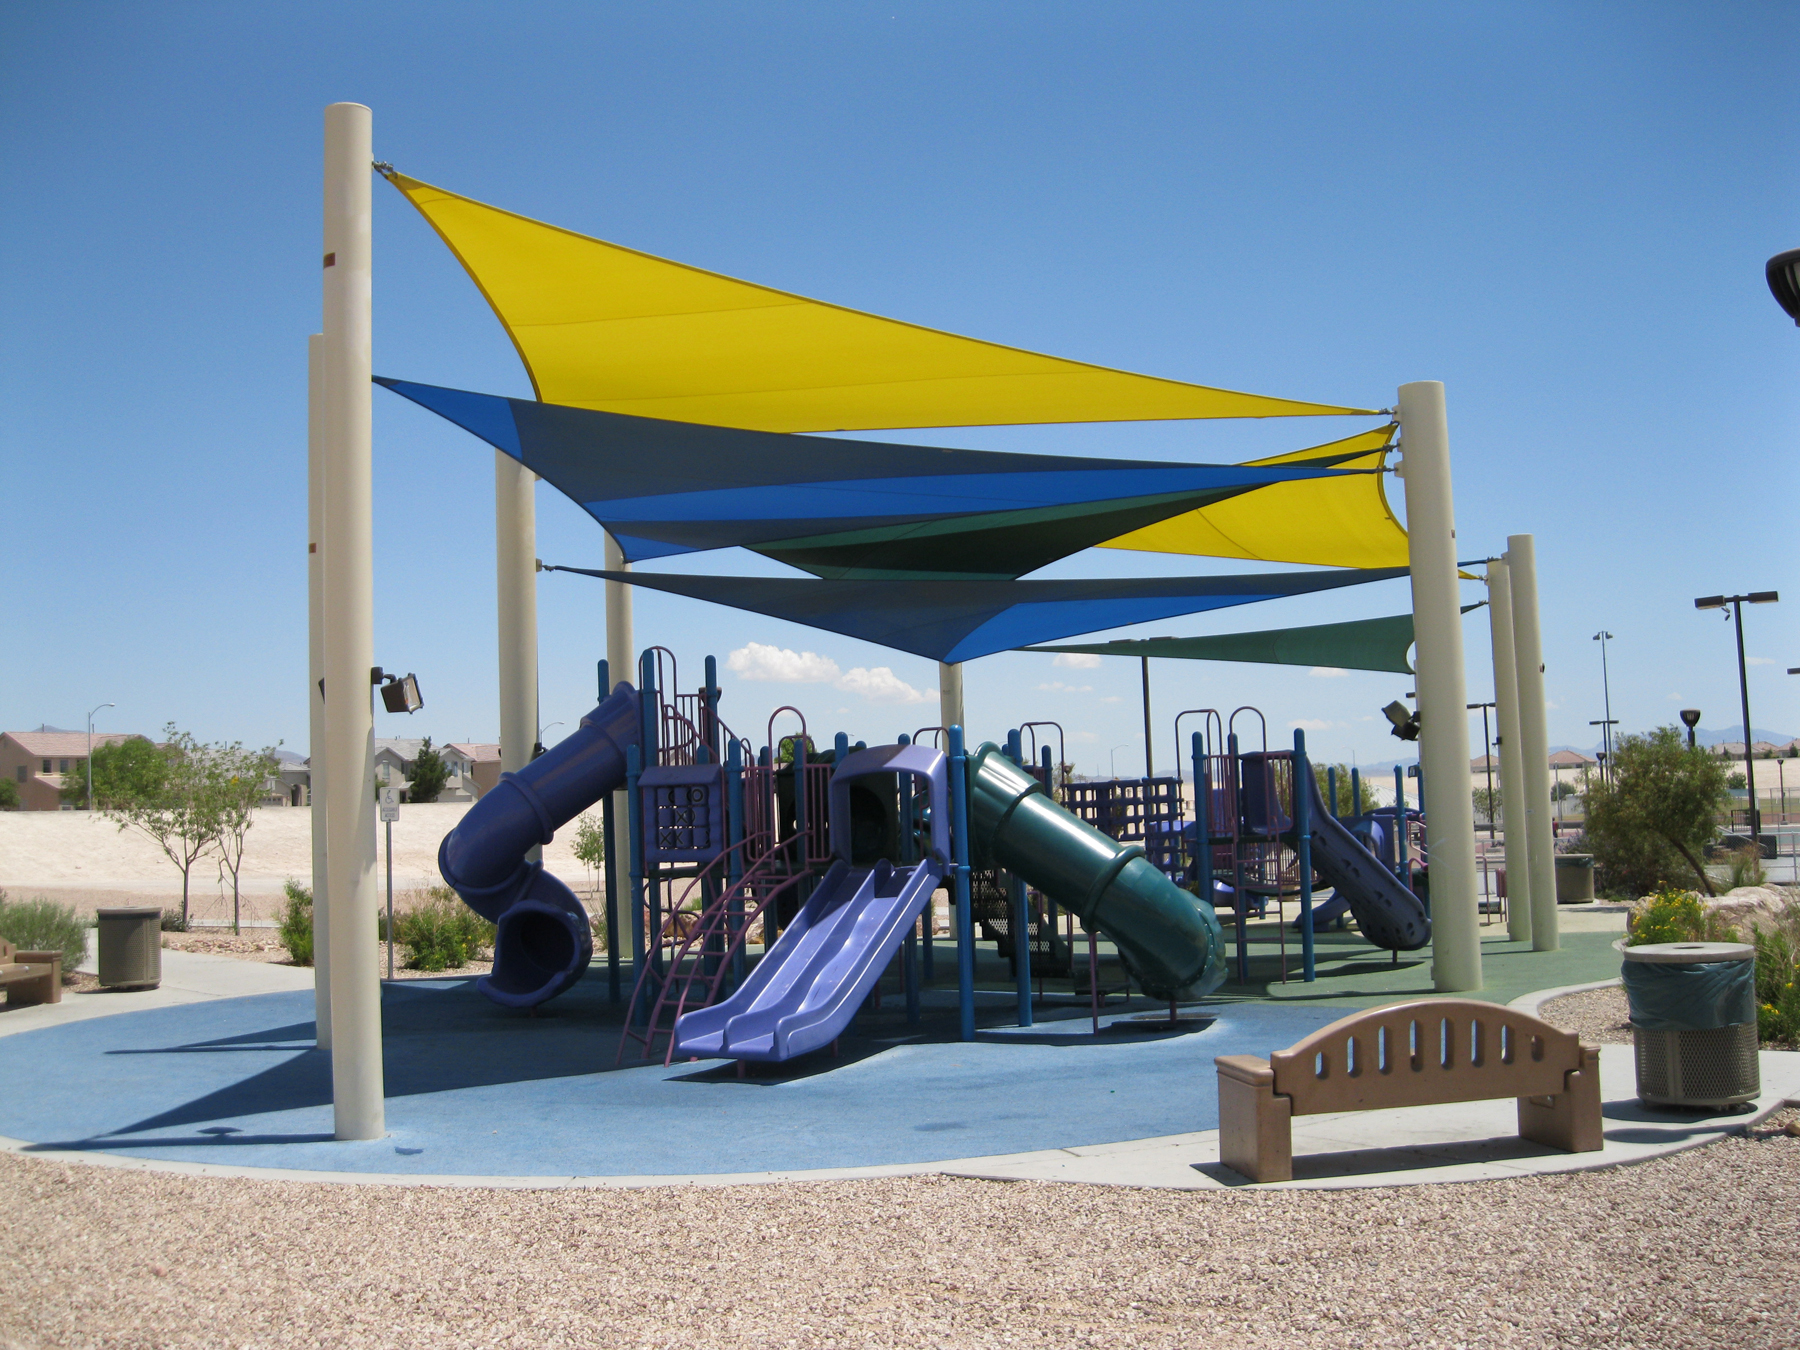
42, 925
1778, 978
1675, 916
1650, 821
296, 931
440, 932
1745, 867
172, 922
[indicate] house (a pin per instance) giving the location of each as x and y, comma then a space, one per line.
474, 769
38, 761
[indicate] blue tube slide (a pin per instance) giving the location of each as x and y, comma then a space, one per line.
1389, 914
542, 941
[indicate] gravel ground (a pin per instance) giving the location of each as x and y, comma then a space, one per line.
1694, 1250
1599, 1016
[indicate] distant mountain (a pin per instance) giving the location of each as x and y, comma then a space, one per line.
1703, 736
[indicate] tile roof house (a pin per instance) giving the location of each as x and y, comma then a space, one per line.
474, 770
38, 760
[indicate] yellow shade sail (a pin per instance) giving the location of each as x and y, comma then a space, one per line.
605, 327
1333, 522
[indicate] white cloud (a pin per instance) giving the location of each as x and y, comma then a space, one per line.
1328, 672
1310, 724
783, 665
1083, 736
1759, 660
1112, 698
1058, 687
1077, 660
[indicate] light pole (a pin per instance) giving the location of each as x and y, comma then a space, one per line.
1736, 604
90, 752
1113, 757
1603, 637
1606, 727
1690, 718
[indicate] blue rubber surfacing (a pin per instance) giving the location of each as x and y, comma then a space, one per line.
475, 1090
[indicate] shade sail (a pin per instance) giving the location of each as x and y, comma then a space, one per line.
1342, 522
602, 326
1360, 644
837, 508
961, 620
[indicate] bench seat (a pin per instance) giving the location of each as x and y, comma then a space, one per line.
1427, 1052
30, 977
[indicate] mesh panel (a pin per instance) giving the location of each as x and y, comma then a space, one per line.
1698, 1068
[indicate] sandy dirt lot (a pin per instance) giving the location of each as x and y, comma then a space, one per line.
88, 861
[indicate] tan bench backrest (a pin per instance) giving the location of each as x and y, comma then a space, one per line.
1425, 1053
6, 952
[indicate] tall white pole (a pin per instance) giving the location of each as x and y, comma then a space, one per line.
621, 664
1443, 695
1534, 740
316, 414
1512, 762
950, 695
515, 574
356, 1071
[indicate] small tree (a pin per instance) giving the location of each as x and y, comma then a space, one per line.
1656, 812
169, 804
590, 846
1489, 803
1346, 807
429, 774
235, 780
132, 771
9, 795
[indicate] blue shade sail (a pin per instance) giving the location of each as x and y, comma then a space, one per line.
961, 620
837, 508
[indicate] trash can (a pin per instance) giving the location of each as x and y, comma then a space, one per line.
130, 943
1693, 1022
1574, 878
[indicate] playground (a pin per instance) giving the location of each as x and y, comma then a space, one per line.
1230, 1031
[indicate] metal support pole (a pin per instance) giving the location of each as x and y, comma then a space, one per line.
317, 424
634, 765
390, 898
1402, 847
1303, 849
734, 805
1331, 789
1755, 817
620, 655
950, 694
1534, 742
1021, 915
1149, 759
1443, 696
1513, 813
1239, 901
515, 588
349, 622
959, 848
1355, 791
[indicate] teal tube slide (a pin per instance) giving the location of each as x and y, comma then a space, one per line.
1168, 939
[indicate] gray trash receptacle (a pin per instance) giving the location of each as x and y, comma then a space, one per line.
130, 947
1574, 878
1693, 1022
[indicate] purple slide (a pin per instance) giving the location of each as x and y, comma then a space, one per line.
807, 987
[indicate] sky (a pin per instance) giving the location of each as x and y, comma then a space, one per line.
1560, 210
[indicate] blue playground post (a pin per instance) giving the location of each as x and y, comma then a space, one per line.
634, 765
712, 693
909, 947
1355, 791
734, 805
959, 849
613, 993
800, 798
1239, 902
650, 738
909, 853
1203, 854
1331, 785
1402, 862
1303, 795
1049, 763
840, 747
1021, 916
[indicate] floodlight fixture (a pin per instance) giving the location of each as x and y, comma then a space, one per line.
1404, 720
400, 693
1690, 718
1783, 274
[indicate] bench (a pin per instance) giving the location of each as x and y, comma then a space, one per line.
30, 977
1429, 1052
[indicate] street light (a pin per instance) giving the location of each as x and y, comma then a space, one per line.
1603, 637
1690, 716
1113, 758
90, 754
1606, 727
1736, 604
